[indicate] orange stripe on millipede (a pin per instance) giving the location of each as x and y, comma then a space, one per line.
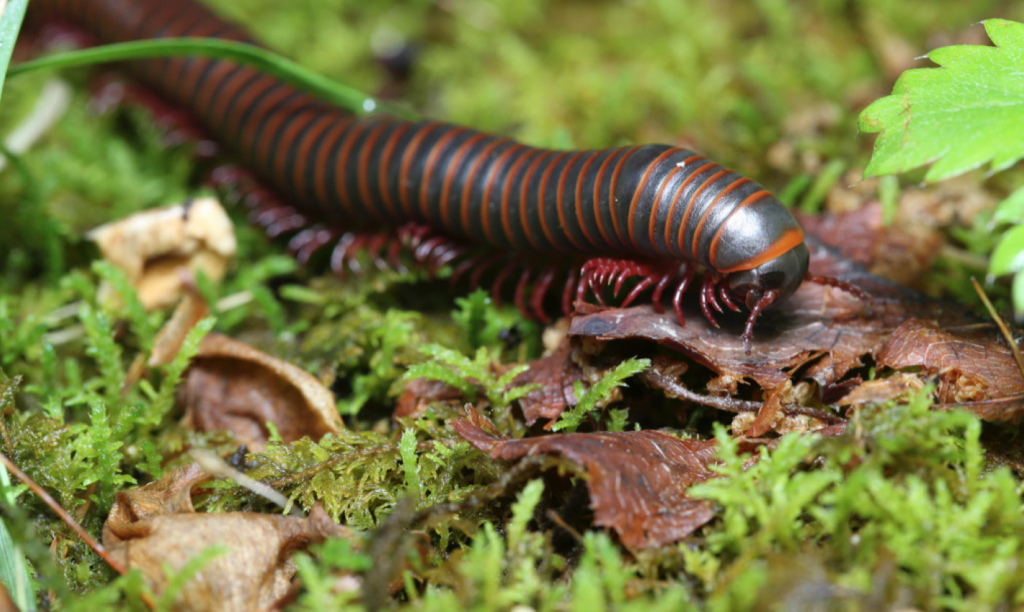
321, 169
363, 165
324, 122
256, 118
560, 204
541, 200
384, 167
506, 221
675, 201
341, 172
657, 198
640, 189
488, 184
597, 199
693, 199
579, 198
611, 196
740, 181
523, 217
791, 238
272, 124
453, 168
428, 168
467, 187
750, 200
407, 157
288, 136
232, 121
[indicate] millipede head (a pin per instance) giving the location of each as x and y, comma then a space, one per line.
781, 275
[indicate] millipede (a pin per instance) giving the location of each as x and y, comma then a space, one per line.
648, 215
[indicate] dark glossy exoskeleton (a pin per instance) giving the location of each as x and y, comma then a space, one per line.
647, 213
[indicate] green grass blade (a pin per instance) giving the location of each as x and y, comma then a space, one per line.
266, 61
10, 24
13, 568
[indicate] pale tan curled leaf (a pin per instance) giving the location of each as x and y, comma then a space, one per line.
154, 247
187, 313
155, 530
233, 386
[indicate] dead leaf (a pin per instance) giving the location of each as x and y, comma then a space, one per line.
883, 390
556, 374
973, 366
151, 247
637, 479
419, 393
189, 311
901, 252
232, 386
817, 324
155, 529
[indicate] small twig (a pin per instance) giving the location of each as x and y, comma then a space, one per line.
557, 519
215, 466
674, 388
63, 514
1001, 324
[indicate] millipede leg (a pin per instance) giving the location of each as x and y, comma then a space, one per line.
540, 289
571, 282
748, 329
723, 292
707, 299
520, 295
829, 281
677, 299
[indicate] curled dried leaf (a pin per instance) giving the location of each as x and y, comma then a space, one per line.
154, 246
637, 479
232, 386
155, 530
822, 332
973, 367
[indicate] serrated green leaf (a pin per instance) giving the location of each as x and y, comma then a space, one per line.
1008, 256
966, 113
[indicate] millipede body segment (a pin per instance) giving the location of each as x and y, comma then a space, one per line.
650, 211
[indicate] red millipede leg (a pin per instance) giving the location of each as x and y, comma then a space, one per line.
723, 292
829, 281
500, 280
284, 225
748, 329
540, 289
677, 299
640, 287
707, 299
571, 283
340, 254
520, 295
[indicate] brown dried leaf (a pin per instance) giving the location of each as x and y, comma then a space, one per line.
828, 326
152, 247
419, 393
637, 479
232, 386
900, 252
883, 389
154, 529
556, 373
189, 311
974, 368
